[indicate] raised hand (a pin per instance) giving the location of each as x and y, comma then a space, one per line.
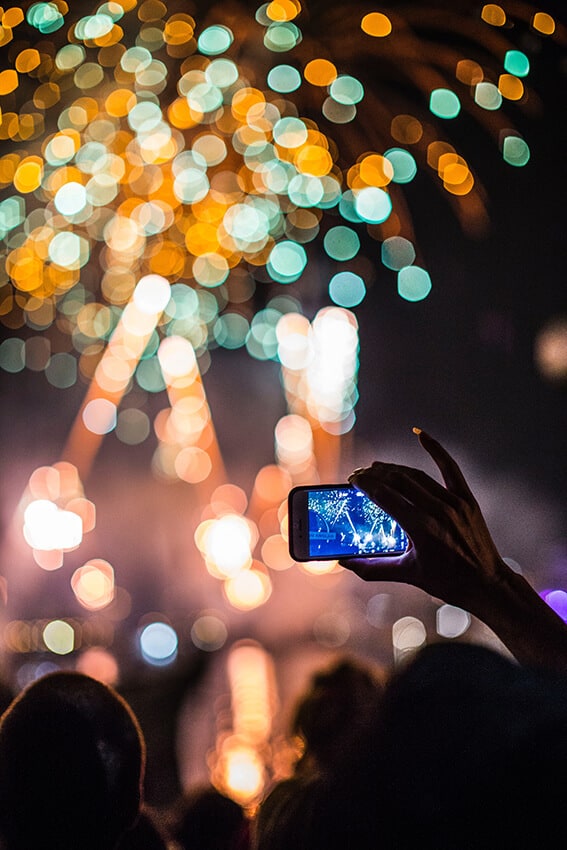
452, 556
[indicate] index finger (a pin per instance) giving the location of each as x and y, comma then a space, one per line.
447, 465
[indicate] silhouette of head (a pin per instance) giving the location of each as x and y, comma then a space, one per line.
474, 750
206, 819
72, 760
467, 749
332, 710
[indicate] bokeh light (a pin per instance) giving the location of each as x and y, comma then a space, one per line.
93, 584
408, 634
48, 527
158, 643
209, 632
100, 664
140, 151
239, 765
452, 622
550, 351
59, 637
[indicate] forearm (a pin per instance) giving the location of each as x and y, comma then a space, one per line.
524, 622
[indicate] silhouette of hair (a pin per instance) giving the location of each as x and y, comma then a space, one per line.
290, 815
72, 760
472, 749
333, 708
206, 819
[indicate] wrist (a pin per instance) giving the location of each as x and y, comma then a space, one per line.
523, 621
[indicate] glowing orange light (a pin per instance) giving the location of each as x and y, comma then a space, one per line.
8, 81
178, 29
244, 100
320, 72
119, 102
283, 10
376, 24
510, 87
376, 170
12, 17
240, 771
493, 14
27, 60
544, 23
28, 174
312, 159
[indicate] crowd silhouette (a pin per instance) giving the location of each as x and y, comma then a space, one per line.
458, 747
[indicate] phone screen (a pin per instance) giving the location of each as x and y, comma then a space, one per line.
329, 522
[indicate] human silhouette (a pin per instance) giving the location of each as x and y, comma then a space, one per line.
327, 714
328, 720
72, 759
204, 818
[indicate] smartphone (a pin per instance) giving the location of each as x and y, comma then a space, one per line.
330, 521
